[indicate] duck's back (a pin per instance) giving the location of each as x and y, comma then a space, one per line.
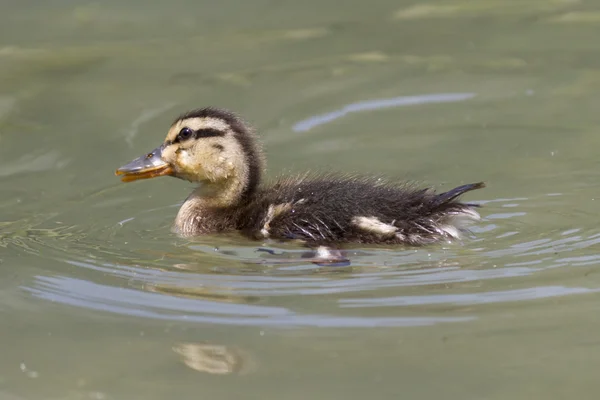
340, 209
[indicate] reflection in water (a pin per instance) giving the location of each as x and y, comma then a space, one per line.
311, 122
214, 359
218, 294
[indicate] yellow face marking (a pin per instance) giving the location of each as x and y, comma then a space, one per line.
205, 158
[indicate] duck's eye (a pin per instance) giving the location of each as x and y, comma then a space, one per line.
185, 133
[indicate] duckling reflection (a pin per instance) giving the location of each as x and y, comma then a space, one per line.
214, 359
219, 294
217, 149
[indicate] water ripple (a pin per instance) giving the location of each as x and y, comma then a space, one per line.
228, 281
86, 294
469, 298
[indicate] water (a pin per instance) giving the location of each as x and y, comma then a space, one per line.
101, 301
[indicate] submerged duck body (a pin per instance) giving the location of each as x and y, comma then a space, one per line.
215, 148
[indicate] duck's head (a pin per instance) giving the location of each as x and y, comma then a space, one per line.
208, 145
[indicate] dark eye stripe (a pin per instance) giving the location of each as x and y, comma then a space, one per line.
200, 133
208, 132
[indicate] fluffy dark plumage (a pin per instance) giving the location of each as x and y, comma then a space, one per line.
322, 211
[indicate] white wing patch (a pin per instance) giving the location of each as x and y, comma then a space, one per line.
272, 212
374, 225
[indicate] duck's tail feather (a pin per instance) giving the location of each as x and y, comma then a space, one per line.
447, 197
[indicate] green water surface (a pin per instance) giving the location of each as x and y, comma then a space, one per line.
99, 300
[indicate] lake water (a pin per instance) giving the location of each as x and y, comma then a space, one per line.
99, 300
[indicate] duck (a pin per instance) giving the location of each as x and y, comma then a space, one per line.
220, 152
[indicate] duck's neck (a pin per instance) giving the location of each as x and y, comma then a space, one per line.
211, 207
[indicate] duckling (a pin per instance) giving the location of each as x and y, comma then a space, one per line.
218, 150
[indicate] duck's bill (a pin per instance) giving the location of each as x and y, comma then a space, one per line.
148, 166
